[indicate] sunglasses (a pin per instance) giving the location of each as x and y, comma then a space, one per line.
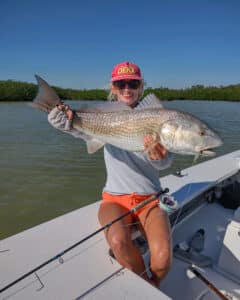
132, 84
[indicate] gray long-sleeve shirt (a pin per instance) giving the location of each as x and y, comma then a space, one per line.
127, 172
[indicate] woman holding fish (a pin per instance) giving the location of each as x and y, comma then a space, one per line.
132, 177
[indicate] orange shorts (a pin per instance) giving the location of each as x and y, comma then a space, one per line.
129, 201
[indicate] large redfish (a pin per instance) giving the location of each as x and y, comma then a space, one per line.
123, 127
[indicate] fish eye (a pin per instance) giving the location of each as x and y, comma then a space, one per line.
202, 132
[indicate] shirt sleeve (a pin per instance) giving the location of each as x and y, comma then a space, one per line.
60, 121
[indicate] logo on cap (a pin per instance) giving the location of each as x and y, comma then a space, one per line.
126, 70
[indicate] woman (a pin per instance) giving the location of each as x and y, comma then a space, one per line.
131, 178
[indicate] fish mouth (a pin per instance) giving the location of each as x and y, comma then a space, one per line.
207, 152
208, 149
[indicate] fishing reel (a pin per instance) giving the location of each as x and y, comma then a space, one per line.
168, 203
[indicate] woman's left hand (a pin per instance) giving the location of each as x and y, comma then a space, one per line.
155, 151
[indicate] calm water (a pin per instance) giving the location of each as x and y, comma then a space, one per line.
44, 173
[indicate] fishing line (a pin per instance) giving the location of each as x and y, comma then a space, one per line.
180, 210
187, 194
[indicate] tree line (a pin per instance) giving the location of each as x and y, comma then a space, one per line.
11, 90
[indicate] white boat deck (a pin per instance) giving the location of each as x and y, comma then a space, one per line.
84, 267
88, 272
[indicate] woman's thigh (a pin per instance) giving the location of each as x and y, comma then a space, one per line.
156, 226
119, 230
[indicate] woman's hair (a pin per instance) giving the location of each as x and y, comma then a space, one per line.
112, 97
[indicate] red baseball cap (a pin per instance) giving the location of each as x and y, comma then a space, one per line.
126, 70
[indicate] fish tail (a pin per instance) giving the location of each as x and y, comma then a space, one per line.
46, 98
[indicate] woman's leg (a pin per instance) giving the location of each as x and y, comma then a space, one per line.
156, 226
118, 236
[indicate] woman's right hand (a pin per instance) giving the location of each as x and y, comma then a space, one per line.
61, 117
65, 108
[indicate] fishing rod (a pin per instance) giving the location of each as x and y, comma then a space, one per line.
210, 285
59, 255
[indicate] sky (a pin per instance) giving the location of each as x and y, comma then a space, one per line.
75, 43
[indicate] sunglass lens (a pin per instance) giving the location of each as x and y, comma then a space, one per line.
132, 84
120, 84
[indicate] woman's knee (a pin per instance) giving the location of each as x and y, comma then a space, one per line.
118, 241
161, 259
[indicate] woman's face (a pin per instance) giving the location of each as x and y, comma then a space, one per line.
127, 91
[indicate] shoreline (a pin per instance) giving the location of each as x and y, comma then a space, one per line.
15, 91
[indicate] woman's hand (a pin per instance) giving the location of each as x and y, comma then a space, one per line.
154, 149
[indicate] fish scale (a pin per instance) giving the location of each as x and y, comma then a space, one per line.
121, 129
122, 124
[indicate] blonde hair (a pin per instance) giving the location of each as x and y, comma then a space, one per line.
112, 97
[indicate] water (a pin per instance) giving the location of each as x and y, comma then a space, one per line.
45, 173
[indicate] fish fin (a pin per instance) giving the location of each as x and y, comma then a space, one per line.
46, 98
150, 101
103, 107
94, 145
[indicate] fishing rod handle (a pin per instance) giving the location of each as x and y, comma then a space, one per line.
209, 284
148, 200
